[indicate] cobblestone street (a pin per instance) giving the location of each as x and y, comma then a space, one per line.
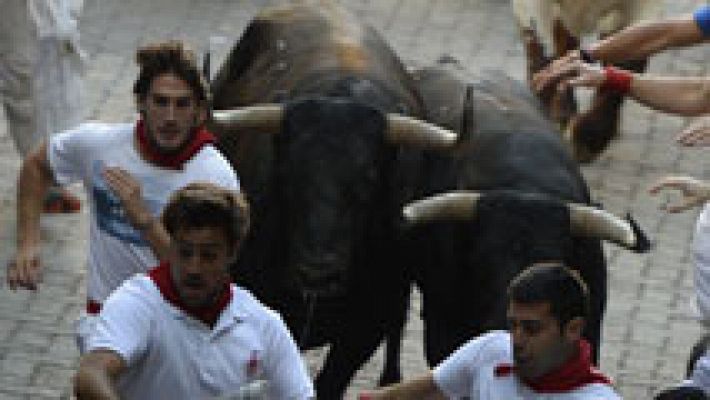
648, 329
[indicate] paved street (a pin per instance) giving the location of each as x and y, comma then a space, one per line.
649, 328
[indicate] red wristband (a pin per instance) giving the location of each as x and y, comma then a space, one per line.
617, 80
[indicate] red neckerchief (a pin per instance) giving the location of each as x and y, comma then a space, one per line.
575, 373
162, 278
201, 138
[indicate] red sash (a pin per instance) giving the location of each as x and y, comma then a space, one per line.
162, 278
200, 138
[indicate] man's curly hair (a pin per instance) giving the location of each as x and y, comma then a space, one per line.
169, 57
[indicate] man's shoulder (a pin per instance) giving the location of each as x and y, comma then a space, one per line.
138, 289
96, 132
245, 305
596, 391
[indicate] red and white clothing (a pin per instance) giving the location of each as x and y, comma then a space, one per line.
172, 355
117, 251
481, 369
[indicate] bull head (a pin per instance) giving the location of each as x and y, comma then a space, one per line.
401, 129
585, 221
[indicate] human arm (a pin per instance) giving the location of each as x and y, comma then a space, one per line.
647, 38
285, 369
636, 42
677, 95
24, 270
423, 387
695, 192
129, 191
97, 373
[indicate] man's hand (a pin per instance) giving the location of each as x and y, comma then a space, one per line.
695, 192
555, 72
129, 191
696, 134
24, 270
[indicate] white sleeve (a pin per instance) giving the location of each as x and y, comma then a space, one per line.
700, 376
124, 324
456, 375
284, 366
64, 152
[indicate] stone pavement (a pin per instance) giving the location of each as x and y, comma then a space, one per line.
649, 328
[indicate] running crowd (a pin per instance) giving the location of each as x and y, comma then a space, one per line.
162, 318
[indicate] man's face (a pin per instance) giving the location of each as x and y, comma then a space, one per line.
199, 264
539, 345
171, 112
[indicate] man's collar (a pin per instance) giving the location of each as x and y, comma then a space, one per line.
161, 277
200, 138
578, 371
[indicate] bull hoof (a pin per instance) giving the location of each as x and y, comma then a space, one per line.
588, 137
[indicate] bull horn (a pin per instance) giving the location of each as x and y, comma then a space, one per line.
592, 222
459, 206
262, 117
408, 130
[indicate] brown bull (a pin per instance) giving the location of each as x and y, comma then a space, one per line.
550, 28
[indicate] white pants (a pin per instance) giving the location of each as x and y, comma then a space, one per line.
701, 266
40, 69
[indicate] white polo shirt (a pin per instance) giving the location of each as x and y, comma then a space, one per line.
171, 355
470, 372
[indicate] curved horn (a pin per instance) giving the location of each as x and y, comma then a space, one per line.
446, 206
262, 117
408, 130
593, 222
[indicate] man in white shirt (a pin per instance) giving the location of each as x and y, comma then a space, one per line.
128, 170
183, 331
541, 356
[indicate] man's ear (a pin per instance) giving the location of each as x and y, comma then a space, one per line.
574, 328
202, 112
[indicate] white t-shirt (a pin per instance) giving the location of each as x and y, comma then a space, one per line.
116, 249
171, 355
701, 265
470, 372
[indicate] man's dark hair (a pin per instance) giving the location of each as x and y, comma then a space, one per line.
555, 284
206, 205
169, 57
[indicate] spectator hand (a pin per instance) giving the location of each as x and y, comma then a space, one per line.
555, 72
695, 192
697, 133
24, 270
129, 191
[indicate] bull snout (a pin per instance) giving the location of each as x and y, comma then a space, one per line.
323, 276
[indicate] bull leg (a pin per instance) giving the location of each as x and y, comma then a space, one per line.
592, 131
392, 372
562, 103
347, 353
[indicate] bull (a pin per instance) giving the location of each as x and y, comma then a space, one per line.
320, 119
509, 196
550, 28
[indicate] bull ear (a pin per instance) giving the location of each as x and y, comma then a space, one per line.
593, 222
261, 118
411, 131
456, 206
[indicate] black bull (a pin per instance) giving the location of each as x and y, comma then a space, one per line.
327, 189
324, 178
510, 155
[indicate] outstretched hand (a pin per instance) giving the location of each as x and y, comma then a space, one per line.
569, 71
696, 134
694, 191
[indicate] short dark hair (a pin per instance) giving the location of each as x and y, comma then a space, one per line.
555, 284
206, 205
169, 57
